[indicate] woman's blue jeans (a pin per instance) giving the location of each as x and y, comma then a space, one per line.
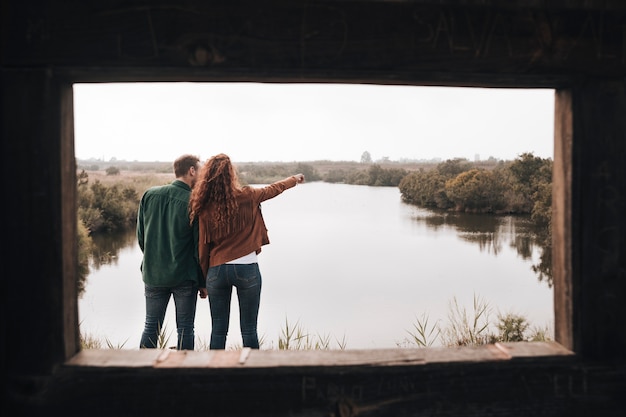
157, 298
221, 279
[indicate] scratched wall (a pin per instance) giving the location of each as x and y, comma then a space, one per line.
327, 39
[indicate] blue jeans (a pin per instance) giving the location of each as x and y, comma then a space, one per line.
157, 298
219, 283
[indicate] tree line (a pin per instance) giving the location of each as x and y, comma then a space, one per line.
521, 186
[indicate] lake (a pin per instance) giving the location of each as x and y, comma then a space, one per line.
350, 264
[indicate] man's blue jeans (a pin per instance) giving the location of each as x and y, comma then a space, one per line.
157, 298
220, 281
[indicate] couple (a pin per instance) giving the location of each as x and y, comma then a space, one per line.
201, 234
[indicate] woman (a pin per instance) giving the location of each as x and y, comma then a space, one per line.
231, 233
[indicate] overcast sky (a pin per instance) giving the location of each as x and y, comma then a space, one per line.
309, 122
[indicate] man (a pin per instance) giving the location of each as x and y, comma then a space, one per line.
170, 255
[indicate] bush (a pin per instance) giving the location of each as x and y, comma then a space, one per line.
112, 170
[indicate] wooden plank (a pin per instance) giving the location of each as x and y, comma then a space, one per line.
599, 273
314, 383
245, 358
115, 358
332, 40
534, 349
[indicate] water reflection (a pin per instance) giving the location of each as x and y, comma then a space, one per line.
106, 247
490, 233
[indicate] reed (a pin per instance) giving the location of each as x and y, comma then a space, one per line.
473, 327
465, 327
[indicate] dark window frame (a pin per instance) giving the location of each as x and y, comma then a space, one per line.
562, 236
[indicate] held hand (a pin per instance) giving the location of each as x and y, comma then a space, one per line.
203, 292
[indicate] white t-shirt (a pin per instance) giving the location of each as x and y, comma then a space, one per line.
246, 259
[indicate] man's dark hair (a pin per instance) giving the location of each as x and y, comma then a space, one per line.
183, 163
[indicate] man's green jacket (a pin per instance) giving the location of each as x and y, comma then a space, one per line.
168, 242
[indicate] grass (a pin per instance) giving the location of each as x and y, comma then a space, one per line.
464, 327
424, 334
89, 341
472, 328
296, 337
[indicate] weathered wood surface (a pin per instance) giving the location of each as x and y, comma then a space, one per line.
542, 43
511, 379
250, 359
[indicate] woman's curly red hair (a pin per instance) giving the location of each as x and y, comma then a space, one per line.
216, 186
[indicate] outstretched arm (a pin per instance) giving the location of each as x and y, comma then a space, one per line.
272, 190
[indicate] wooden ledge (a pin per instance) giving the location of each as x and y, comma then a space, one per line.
255, 359
502, 379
